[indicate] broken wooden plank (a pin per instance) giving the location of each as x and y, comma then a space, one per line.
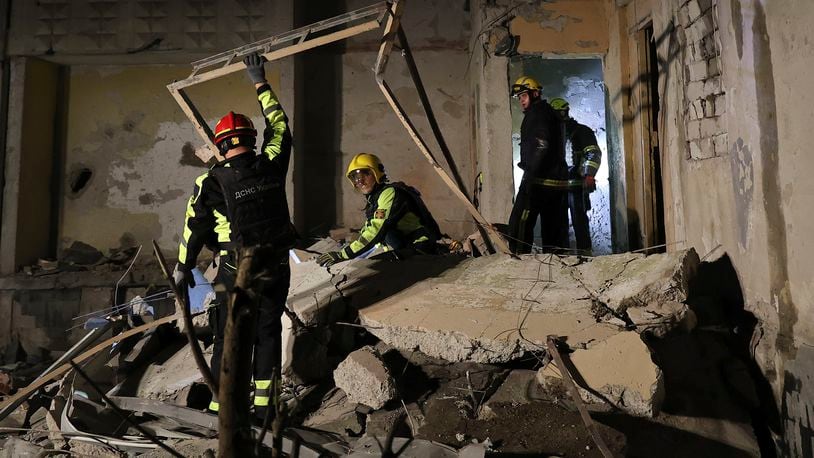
390, 34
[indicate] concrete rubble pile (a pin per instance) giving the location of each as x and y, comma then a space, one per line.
413, 348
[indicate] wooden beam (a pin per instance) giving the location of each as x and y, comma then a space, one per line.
390, 34
198, 122
278, 54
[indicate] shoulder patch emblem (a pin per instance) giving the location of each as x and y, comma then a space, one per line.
380, 214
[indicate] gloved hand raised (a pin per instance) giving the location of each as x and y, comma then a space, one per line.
330, 258
254, 67
182, 278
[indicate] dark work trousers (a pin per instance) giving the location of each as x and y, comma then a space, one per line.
547, 203
273, 293
579, 203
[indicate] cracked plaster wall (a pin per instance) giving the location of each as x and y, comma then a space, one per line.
750, 196
123, 126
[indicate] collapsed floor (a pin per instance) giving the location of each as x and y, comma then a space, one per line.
451, 352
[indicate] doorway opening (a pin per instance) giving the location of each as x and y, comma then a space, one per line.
581, 83
649, 234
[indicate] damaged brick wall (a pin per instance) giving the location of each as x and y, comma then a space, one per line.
704, 96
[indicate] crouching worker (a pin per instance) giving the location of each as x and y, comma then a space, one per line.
241, 202
395, 215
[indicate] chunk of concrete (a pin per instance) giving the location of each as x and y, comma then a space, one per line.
162, 381
365, 378
634, 280
18, 448
658, 319
618, 370
337, 414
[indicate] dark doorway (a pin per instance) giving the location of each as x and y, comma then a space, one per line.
650, 231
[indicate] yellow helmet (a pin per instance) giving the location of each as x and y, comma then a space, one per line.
367, 161
559, 104
525, 84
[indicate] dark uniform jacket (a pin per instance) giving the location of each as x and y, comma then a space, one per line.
248, 189
542, 146
585, 153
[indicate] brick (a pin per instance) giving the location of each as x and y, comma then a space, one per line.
694, 10
709, 106
696, 109
714, 66
710, 44
695, 90
697, 71
693, 130
720, 105
683, 17
707, 148
721, 144
701, 149
702, 27
710, 127
712, 86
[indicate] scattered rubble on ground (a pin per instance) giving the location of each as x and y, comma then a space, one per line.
447, 350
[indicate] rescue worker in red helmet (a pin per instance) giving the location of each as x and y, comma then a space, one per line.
543, 188
395, 215
241, 202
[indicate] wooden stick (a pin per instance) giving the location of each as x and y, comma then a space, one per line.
390, 34
572, 389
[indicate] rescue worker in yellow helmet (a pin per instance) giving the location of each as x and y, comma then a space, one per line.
395, 214
241, 202
545, 174
585, 159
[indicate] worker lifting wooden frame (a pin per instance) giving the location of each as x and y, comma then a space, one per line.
309, 37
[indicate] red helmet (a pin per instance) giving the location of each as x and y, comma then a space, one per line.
234, 130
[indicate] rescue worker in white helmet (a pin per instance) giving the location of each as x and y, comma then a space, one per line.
586, 158
241, 202
545, 174
395, 215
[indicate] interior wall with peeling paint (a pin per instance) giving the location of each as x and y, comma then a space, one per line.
143, 153
562, 27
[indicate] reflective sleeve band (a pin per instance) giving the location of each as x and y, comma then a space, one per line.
547, 182
261, 392
275, 118
214, 406
590, 148
592, 164
370, 232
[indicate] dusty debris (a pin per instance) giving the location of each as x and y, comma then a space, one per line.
519, 387
659, 318
619, 371
18, 448
365, 378
337, 414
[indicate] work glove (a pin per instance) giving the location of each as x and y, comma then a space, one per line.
330, 258
182, 278
589, 183
254, 67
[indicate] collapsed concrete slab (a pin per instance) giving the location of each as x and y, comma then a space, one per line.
619, 371
365, 378
495, 308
